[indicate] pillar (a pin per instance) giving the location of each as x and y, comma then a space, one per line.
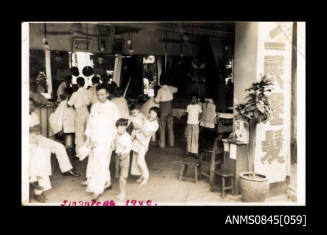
265, 48
48, 72
301, 97
117, 69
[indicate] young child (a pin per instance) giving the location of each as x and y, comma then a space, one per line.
194, 112
141, 136
137, 119
123, 144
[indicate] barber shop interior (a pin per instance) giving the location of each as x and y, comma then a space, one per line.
170, 113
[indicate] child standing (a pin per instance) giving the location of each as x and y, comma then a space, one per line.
123, 145
194, 112
141, 136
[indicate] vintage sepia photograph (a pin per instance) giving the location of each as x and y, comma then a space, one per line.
163, 113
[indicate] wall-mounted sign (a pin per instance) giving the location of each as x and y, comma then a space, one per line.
81, 44
272, 151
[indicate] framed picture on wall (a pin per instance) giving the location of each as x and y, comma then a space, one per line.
81, 44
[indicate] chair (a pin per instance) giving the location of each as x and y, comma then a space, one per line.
225, 174
189, 163
215, 162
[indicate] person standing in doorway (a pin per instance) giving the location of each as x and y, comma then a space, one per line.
80, 100
194, 116
165, 98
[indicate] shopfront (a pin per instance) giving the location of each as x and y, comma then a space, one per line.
209, 60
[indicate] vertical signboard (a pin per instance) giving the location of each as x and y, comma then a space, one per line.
272, 149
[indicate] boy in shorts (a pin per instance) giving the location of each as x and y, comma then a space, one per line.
123, 145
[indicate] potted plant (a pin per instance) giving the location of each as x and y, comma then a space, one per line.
256, 108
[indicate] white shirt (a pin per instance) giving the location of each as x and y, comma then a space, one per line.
123, 143
101, 125
80, 98
68, 119
122, 106
193, 111
34, 119
149, 127
209, 115
165, 93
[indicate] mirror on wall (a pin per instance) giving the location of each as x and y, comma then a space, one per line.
150, 75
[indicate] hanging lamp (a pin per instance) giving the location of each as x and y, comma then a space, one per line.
87, 70
130, 51
45, 41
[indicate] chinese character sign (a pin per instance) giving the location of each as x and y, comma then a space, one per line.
272, 148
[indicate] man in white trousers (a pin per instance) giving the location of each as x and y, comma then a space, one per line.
80, 100
100, 132
40, 150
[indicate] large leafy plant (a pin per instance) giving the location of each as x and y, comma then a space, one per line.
256, 106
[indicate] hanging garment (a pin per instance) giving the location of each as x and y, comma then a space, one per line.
56, 119
69, 119
209, 114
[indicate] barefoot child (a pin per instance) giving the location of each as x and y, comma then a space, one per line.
123, 145
141, 136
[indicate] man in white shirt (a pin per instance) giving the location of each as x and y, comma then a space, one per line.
80, 100
100, 132
121, 103
194, 112
165, 98
40, 150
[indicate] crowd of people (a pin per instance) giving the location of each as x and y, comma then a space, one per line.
99, 120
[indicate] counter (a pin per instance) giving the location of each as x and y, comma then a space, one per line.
235, 160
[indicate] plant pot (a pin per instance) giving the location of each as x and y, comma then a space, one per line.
254, 188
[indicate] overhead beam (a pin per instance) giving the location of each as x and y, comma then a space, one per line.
177, 29
192, 30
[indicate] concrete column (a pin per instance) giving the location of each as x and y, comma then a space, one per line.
117, 70
301, 97
265, 48
48, 71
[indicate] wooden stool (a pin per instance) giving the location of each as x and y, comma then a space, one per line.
225, 174
192, 163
